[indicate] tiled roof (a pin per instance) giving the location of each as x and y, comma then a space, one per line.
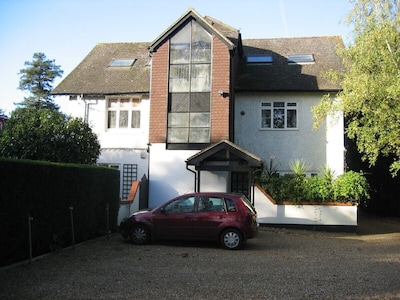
281, 76
94, 76
228, 31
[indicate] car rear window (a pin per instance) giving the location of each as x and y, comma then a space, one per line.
248, 205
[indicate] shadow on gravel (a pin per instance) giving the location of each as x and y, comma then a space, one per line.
371, 224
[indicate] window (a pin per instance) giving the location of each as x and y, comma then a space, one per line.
122, 63
123, 113
189, 86
260, 59
278, 115
300, 59
181, 205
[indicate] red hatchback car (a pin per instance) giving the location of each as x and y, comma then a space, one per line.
227, 218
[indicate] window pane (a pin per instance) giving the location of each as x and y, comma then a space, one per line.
200, 78
180, 53
135, 119
199, 120
180, 46
279, 118
178, 135
291, 118
135, 102
123, 119
113, 103
200, 102
199, 135
266, 118
201, 44
112, 119
178, 120
179, 78
201, 55
179, 102
279, 104
124, 103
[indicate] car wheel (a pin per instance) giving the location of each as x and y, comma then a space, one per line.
232, 239
140, 235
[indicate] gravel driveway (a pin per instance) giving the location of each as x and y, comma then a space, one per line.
278, 264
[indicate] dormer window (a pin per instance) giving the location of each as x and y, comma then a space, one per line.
260, 59
121, 63
301, 59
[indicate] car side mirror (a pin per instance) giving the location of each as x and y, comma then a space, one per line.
162, 210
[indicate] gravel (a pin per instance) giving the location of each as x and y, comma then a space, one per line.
277, 264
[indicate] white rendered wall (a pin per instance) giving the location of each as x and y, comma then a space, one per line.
170, 178
118, 146
334, 135
270, 213
286, 145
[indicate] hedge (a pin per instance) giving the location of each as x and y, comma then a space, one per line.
50, 193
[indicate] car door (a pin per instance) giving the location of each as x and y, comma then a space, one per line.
211, 213
174, 220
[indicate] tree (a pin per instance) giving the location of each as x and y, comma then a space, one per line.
370, 96
38, 78
3, 119
47, 134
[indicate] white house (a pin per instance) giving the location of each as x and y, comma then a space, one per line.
200, 108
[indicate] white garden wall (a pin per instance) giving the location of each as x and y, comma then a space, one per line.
270, 213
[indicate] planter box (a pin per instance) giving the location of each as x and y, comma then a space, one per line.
327, 214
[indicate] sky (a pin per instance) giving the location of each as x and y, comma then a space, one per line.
67, 30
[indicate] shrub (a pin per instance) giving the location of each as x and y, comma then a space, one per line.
350, 187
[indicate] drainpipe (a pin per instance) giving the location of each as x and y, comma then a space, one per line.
195, 177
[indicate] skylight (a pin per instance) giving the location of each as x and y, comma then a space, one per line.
260, 59
301, 58
122, 63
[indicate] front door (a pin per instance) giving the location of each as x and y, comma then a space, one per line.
240, 183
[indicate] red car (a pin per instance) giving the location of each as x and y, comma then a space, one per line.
227, 218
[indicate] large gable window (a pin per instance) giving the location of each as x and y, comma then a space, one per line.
189, 86
123, 113
279, 115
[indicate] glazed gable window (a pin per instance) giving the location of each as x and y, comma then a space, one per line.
189, 86
123, 113
279, 115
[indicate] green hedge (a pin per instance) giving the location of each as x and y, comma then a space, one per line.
47, 192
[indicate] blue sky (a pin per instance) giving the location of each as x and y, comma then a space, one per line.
66, 30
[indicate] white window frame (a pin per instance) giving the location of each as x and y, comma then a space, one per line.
273, 107
131, 104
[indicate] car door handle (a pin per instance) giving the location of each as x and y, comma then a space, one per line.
222, 217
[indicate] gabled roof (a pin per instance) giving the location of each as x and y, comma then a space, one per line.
94, 76
281, 76
225, 155
221, 30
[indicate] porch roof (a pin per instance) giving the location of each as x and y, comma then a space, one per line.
225, 156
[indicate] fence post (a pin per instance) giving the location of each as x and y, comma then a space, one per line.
71, 208
30, 219
107, 218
